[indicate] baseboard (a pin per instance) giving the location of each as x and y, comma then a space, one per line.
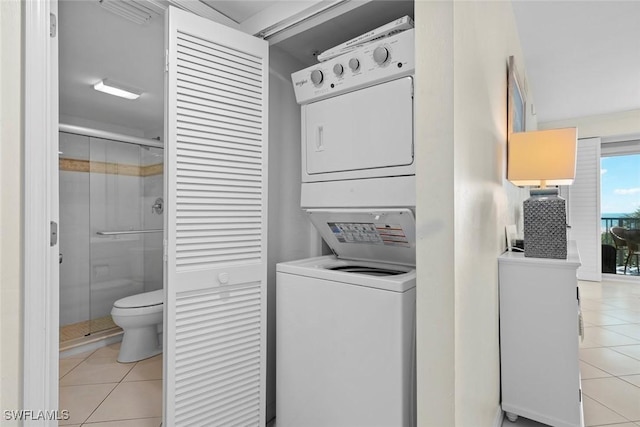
499, 418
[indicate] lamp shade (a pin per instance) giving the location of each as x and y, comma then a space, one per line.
545, 157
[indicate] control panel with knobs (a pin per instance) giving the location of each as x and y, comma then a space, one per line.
383, 60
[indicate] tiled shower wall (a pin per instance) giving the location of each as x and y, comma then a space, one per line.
107, 186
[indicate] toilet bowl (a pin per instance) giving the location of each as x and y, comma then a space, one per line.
140, 317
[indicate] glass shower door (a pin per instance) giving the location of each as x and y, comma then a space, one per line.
117, 266
74, 236
111, 220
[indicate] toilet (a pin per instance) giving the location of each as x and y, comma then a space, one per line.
140, 316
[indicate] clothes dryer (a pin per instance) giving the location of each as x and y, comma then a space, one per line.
357, 112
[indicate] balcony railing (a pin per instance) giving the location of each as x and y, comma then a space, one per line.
621, 254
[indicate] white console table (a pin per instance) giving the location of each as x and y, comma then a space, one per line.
539, 338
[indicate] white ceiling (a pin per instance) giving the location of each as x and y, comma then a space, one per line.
581, 57
240, 11
95, 44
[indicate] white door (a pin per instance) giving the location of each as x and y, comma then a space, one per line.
215, 275
583, 209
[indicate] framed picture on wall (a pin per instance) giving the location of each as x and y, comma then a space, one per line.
516, 102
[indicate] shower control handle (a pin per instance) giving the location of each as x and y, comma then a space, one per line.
158, 206
60, 259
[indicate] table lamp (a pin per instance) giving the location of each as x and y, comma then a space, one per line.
542, 158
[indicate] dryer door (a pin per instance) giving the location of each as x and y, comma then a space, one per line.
368, 129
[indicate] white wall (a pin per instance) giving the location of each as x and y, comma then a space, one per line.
464, 203
435, 303
287, 227
11, 138
604, 125
485, 36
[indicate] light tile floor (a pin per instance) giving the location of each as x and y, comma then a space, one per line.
609, 355
100, 392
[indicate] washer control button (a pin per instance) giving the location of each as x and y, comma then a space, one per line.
380, 55
317, 77
338, 69
354, 64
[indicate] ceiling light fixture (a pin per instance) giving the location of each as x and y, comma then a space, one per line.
117, 89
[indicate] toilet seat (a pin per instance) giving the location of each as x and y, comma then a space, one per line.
146, 299
136, 311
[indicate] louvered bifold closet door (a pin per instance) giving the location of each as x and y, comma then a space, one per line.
215, 276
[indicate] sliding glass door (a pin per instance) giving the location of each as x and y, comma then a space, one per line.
620, 189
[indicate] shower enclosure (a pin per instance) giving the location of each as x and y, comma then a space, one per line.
111, 220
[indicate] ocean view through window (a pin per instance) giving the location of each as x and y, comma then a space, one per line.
620, 211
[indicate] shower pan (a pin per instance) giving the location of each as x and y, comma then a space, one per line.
111, 221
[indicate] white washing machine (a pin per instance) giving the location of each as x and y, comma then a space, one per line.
345, 329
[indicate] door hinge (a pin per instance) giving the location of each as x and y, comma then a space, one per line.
166, 60
53, 25
54, 234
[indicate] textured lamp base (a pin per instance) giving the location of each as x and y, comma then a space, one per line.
545, 225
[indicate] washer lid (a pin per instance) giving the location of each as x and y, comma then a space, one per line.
145, 299
378, 235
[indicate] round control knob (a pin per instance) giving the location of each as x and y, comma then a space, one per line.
380, 55
354, 64
338, 69
316, 77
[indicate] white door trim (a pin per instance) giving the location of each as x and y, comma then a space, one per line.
40, 298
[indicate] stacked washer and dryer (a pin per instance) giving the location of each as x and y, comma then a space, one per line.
346, 322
